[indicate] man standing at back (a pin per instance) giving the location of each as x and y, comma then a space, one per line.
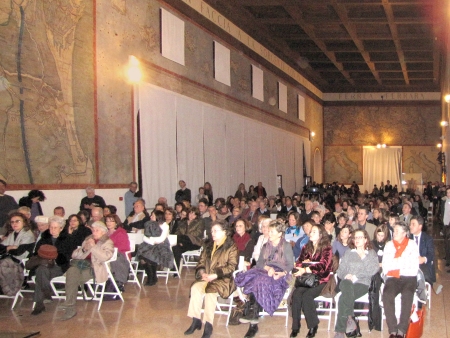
130, 198
91, 200
261, 191
445, 212
183, 194
7, 203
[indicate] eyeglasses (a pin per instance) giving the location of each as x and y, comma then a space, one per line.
360, 237
16, 221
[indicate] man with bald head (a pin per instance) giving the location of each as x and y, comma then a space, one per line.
96, 216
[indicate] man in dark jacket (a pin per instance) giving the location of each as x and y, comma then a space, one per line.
91, 200
7, 203
54, 236
183, 194
426, 251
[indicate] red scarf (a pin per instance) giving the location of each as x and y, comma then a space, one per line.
241, 242
399, 248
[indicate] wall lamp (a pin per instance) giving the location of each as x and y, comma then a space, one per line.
311, 135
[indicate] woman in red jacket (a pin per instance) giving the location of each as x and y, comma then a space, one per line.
119, 236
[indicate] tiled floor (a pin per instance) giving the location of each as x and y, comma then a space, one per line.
160, 311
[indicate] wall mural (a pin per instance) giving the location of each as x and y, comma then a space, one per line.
343, 164
348, 128
46, 92
369, 125
422, 160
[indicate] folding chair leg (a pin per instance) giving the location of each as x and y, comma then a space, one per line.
19, 293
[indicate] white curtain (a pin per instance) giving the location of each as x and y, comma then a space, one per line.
186, 139
158, 143
190, 161
235, 165
215, 148
380, 165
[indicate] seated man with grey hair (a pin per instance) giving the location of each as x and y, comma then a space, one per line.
94, 252
45, 271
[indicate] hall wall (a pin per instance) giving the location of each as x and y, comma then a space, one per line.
347, 128
77, 127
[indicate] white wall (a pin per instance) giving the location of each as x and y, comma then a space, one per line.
70, 199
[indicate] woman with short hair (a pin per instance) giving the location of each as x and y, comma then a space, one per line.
44, 273
243, 240
18, 244
120, 268
155, 249
95, 251
189, 233
265, 284
213, 277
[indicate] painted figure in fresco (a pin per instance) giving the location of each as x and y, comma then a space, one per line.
37, 113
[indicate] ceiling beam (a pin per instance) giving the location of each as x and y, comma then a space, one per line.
393, 27
295, 12
233, 9
351, 29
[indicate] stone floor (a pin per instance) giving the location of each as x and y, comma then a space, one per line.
160, 311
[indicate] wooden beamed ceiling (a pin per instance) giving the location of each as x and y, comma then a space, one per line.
350, 45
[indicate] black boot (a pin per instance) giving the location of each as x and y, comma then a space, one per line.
357, 331
208, 330
155, 271
196, 325
150, 274
312, 332
252, 330
38, 308
252, 314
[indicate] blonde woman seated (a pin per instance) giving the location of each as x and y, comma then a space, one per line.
265, 284
95, 250
214, 277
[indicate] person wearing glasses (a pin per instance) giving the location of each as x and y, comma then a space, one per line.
16, 247
355, 271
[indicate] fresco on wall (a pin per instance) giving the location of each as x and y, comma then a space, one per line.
46, 92
343, 164
369, 125
422, 160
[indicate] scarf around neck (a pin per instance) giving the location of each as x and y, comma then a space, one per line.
399, 248
241, 242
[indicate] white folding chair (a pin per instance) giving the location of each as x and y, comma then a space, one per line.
132, 277
328, 310
363, 299
224, 306
166, 272
97, 290
282, 310
188, 258
18, 293
429, 289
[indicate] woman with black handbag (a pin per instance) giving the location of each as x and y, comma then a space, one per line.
355, 271
312, 272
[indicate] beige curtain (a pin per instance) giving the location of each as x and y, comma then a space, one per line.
380, 165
